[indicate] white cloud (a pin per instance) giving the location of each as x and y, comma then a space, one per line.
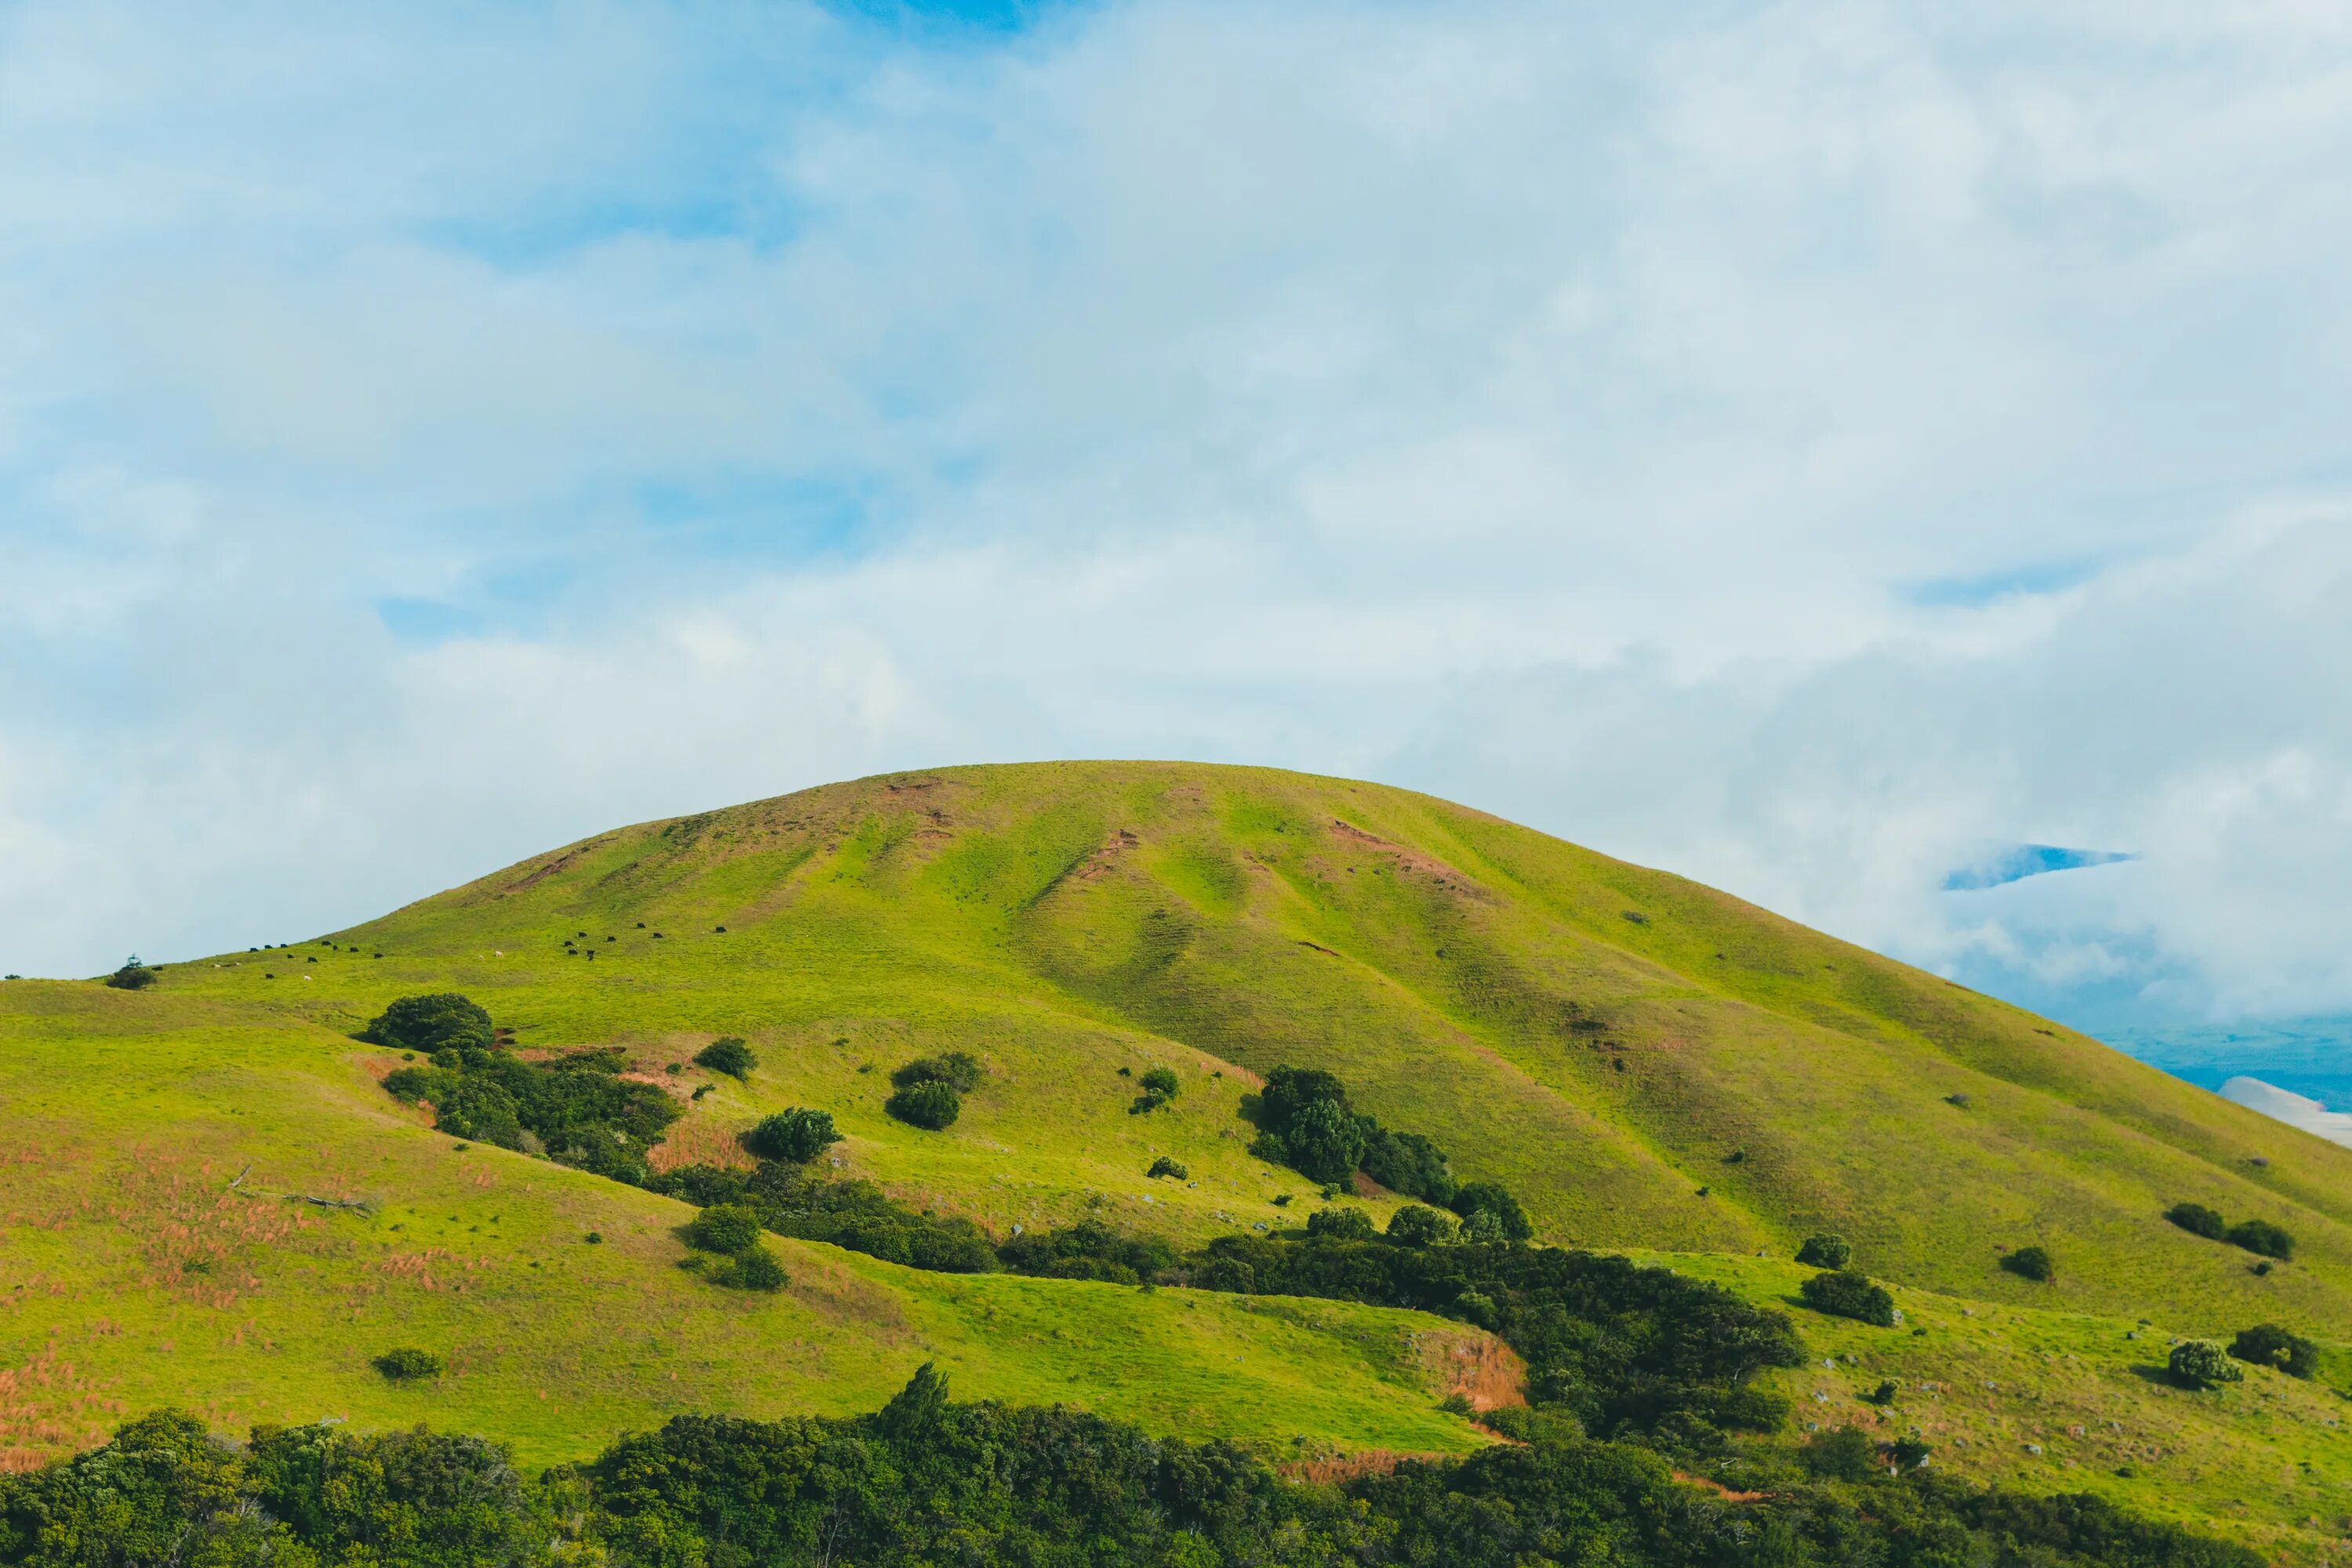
1625, 423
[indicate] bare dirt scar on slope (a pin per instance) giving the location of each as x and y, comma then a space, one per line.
1406, 855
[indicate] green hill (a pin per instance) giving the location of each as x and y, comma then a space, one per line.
1646, 1063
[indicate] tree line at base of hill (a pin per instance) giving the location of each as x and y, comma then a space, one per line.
925, 1481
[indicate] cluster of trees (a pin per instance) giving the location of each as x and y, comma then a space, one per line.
784, 1198
2201, 1364
2256, 1236
927, 1481
929, 1091
576, 1110
1306, 1121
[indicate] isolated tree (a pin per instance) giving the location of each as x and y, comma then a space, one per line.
1827, 1250
425, 1024
408, 1365
797, 1136
2199, 1220
930, 1104
133, 976
729, 1054
957, 1070
2267, 1344
2030, 1263
1849, 1293
2200, 1363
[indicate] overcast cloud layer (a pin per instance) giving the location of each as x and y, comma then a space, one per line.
1803, 447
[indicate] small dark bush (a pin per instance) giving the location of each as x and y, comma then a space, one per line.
1910, 1453
1164, 1166
2267, 1344
798, 1135
2200, 1363
2030, 1263
1162, 1082
1883, 1394
729, 1054
1826, 1250
1340, 1225
408, 1365
1848, 1293
596, 1238
1416, 1225
930, 1104
1489, 1198
753, 1268
443, 1021
2260, 1236
133, 976
2199, 1220
958, 1071
1848, 1454
725, 1227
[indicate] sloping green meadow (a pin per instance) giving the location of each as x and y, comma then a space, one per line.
1646, 1063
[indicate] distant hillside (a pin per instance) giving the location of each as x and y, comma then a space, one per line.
1648, 1063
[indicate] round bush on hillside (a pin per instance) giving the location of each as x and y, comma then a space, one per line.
730, 1055
1847, 1293
754, 1268
1489, 1197
2260, 1236
1340, 1225
930, 1105
796, 1135
1164, 1166
2267, 1344
957, 1070
1826, 1250
444, 1021
133, 976
726, 1228
1415, 1224
2200, 1363
2199, 1220
2030, 1263
408, 1363
1482, 1227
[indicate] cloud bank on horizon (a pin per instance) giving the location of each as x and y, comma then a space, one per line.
1793, 445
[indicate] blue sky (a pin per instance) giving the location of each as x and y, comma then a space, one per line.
1815, 448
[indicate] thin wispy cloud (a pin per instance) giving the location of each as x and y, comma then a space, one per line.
1797, 446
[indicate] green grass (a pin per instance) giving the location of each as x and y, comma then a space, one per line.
1598, 1037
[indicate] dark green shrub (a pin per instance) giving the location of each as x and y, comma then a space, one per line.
576, 1110
2267, 1344
725, 1227
1409, 1165
957, 1070
753, 1268
2200, 1363
1324, 1141
1161, 1083
408, 1365
1164, 1166
1289, 1091
1910, 1453
931, 1104
729, 1054
1088, 1250
2260, 1236
1416, 1225
1489, 1198
2030, 1263
133, 976
1340, 1225
2199, 1220
1482, 1227
1848, 1454
442, 1021
1848, 1293
1825, 1250
798, 1135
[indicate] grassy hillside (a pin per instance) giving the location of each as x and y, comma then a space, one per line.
1647, 1063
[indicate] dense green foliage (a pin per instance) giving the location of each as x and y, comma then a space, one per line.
1341, 1225
957, 1070
1416, 1225
2200, 1363
924, 1482
2260, 1236
1849, 1293
133, 976
2199, 1220
725, 1227
1826, 1250
1088, 1250
577, 1110
443, 1021
2033, 1263
1304, 1121
930, 1105
855, 1215
729, 1054
1159, 1086
2267, 1344
1175, 1170
407, 1363
1501, 1212
797, 1136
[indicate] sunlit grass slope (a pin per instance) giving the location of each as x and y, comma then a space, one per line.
1603, 1039
156, 1245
